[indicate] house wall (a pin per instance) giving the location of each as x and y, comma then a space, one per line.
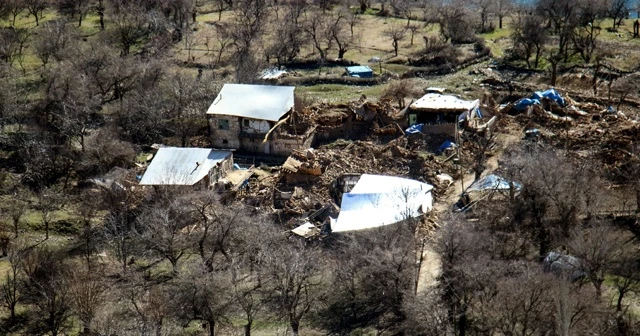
285, 146
440, 129
224, 138
218, 172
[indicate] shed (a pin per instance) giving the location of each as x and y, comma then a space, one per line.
360, 71
378, 200
187, 166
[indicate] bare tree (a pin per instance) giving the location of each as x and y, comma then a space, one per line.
485, 9
600, 250
529, 38
10, 289
503, 8
35, 8
74, 8
396, 34
293, 275
399, 90
17, 208
617, 11
87, 291
48, 202
455, 25
14, 7
52, 41
45, 284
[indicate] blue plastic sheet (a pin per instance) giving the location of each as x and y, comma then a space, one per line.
493, 182
415, 129
550, 94
523, 103
446, 144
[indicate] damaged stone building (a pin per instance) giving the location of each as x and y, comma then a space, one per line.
257, 119
438, 113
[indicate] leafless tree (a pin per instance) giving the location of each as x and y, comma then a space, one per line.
17, 209
585, 38
485, 9
399, 90
48, 202
14, 7
10, 289
52, 41
74, 8
35, 8
167, 232
529, 38
396, 34
316, 28
617, 11
503, 8
455, 25
87, 290
624, 86
600, 249
293, 274
45, 285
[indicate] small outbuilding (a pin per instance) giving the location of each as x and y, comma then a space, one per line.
439, 113
200, 167
359, 71
378, 200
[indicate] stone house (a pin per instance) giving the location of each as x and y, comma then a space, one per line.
257, 119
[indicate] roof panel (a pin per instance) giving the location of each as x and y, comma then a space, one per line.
378, 200
263, 102
436, 101
181, 166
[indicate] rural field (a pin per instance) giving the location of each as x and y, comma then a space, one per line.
255, 167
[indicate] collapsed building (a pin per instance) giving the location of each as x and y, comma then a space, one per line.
198, 167
257, 119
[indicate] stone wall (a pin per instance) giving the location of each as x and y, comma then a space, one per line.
224, 138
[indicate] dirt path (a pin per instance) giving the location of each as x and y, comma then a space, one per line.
431, 266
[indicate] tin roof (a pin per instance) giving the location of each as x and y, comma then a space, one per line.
436, 101
358, 69
263, 102
181, 166
378, 200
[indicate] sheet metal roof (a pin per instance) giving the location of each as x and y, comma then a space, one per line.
263, 102
358, 69
378, 200
181, 166
436, 101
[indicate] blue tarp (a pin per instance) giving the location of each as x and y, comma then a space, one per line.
361, 71
523, 103
493, 182
417, 128
550, 94
446, 144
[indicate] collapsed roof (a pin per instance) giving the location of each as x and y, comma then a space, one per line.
182, 166
263, 102
378, 200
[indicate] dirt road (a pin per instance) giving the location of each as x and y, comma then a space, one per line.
431, 266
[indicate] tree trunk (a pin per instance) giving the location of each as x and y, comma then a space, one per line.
212, 327
247, 329
295, 326
80, 20
101, 15
46, 230
619, 301
500, 21
341, 53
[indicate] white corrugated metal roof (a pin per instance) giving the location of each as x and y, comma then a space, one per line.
181, 166
264, 102
436, 101
378, 200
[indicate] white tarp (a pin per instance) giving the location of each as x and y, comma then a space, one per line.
263, 102
378, 200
